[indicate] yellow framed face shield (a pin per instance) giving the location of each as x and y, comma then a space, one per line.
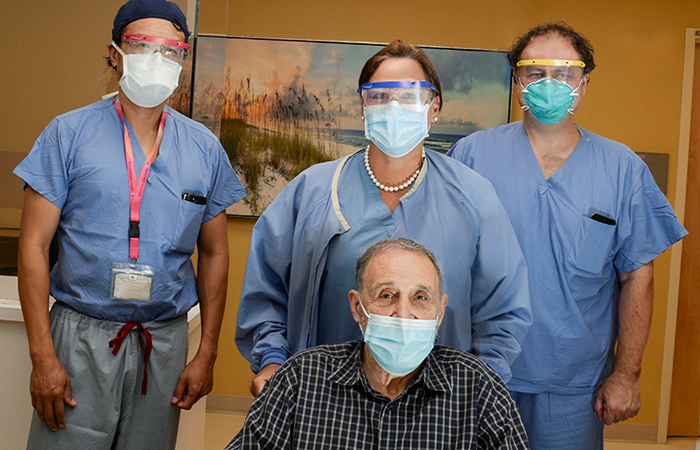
566, 71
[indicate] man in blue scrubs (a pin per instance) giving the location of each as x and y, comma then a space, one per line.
129, 187
590, 220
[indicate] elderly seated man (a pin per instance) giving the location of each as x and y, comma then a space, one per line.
394, 390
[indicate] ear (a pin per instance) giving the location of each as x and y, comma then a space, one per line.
355, 307
114, 56
435, 109
443, 304
584, 84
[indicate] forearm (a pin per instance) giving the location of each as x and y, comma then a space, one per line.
34, 286
212, 275
211, 288
39, 222
500, 297
502, 321
634, 318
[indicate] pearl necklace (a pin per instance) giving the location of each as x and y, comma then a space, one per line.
400, 187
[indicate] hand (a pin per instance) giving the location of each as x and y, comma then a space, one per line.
618, 399
49, 386
196, 381
260, 380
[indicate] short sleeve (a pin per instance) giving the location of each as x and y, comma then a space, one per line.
648, 225
45, 168
226, 187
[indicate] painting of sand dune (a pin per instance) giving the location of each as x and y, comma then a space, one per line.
280, 106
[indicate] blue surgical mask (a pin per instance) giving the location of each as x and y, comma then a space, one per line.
549, 100
399, 345
395, 130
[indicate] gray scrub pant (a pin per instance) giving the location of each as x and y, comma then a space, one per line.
111, 413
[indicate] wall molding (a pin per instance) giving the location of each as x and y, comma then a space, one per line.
644, 433
228, 404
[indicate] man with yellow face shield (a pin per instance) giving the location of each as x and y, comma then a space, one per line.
590, 220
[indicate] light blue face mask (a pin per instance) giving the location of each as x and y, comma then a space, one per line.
549, 100
399, 345
395, 130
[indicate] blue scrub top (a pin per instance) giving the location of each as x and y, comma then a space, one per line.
78, 164
370, 221
573, 259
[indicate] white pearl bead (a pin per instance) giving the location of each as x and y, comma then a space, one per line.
400, 187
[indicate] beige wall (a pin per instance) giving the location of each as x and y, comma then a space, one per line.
52, 63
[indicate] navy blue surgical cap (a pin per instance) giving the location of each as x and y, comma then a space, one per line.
145, 9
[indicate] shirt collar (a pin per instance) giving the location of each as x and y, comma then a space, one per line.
432, 375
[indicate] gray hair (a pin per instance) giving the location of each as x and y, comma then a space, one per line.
388, 244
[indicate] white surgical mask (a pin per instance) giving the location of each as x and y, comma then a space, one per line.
148, 79
399, 345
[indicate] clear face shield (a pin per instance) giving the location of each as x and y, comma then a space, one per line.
549, 87
565, 71
172, 50
411, 95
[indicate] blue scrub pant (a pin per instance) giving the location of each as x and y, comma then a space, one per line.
560, 422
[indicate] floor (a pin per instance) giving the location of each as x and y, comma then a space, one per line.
221, 428
672, 444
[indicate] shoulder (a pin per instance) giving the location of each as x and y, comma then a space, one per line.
601, 141
100, 107
321, 172
485, 138
81, 117
320, 362
461, 179
609, 146
452, 357
328, 354
613, 154
463, 369
308, 189
190, 125
69, 129
450, 168
498, 132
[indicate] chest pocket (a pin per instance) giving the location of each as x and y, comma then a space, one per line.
186, 231
591, 245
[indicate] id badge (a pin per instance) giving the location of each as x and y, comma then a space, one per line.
131, 282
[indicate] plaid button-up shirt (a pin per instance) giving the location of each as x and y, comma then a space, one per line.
321, 399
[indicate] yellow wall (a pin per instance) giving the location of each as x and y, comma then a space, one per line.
232, 372
52, 62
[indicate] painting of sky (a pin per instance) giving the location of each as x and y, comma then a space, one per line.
279, 106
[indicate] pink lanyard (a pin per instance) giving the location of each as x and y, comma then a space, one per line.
136, 188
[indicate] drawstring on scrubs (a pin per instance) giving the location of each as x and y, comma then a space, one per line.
117, 343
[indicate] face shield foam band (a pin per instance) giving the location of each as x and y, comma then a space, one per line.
549, 62
396, 84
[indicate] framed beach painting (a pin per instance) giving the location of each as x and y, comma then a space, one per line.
279, 106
